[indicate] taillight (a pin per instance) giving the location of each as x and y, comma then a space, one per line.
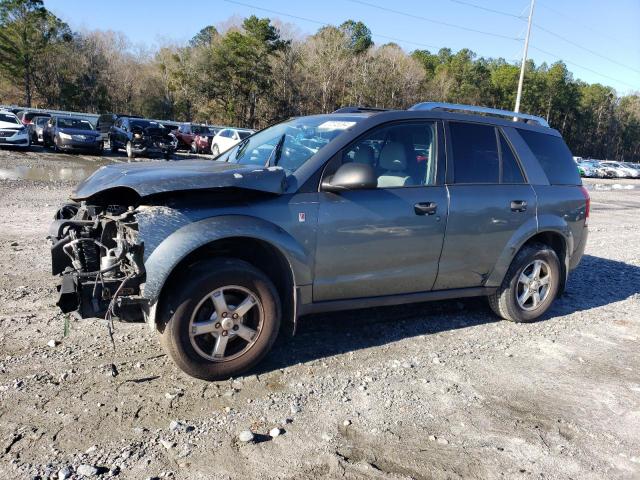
587, 207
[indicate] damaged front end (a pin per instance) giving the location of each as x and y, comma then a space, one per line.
97, 252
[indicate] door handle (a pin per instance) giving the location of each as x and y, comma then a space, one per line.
425, 208
518, 205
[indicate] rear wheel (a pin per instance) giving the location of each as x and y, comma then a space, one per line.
194, 147
112, 145
530, 285
222, 319
215, 150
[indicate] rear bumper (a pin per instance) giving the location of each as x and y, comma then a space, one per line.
578, 252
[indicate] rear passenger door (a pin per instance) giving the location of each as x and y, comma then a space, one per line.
489, 200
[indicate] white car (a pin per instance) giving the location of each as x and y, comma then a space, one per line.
12, 132
621, 170
227, 138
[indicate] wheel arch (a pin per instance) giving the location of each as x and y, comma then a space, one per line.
558, 237
256, 241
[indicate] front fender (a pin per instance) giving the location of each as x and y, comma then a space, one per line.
173, 249
543, 223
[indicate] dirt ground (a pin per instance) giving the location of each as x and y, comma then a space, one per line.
439, 390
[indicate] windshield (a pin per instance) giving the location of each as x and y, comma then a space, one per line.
9, 118
74, 123
289, 144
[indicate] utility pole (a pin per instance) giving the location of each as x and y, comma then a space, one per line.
524, 58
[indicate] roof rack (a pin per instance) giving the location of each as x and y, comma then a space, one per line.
360, 110
471, 108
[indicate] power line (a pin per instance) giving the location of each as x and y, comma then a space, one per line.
592, 52
589, 27
635, 87
318, 22
325, 24
437, 22
511, 38
486, 9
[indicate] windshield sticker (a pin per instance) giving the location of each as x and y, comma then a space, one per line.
335, 125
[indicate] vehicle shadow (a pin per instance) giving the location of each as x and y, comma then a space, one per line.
595, 283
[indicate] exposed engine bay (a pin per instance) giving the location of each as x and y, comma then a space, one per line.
97, 252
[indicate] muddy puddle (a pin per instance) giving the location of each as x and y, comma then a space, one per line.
52, 172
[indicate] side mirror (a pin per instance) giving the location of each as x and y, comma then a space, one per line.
351, 176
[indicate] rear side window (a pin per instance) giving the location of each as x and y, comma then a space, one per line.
475, 153
554, 157
511, 172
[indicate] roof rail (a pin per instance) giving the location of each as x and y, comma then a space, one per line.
472, 108
360, 110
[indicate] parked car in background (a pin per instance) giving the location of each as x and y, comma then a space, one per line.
227, 138
106, 121
26, 117
202, 142
138, 136
187, 133
593, 168
72, 134
324, 213
36, 128
12, 132
635, 166
622, 171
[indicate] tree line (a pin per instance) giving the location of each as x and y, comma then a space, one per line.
255, 73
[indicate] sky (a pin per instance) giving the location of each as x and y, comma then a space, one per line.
598, 40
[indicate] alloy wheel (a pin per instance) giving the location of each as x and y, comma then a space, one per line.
533, 285
226, 323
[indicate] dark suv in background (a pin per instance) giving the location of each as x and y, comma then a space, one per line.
139, 136
328, 212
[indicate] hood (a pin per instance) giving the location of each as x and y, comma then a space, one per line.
150, 178
78, 131
151, 131
10, 126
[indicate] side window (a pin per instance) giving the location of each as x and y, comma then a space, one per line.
554, 157
475, 153
402, 155
511, 172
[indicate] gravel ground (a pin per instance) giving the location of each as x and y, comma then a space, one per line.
439, 390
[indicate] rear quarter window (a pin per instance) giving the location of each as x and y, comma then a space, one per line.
553, 156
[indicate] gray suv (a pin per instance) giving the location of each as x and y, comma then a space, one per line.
358, 208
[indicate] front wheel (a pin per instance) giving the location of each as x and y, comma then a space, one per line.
215, 150
130, 154
530, 285
221, 320
194, 147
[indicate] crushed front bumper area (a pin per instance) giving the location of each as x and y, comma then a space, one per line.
97, 254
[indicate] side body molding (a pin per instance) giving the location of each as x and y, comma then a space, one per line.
192, 236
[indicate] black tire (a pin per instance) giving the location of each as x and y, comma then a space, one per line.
188, 293
215, 151
112, 145
168, 156
55, 145
505, 302
130, 154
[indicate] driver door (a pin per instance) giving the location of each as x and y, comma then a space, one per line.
385, 240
